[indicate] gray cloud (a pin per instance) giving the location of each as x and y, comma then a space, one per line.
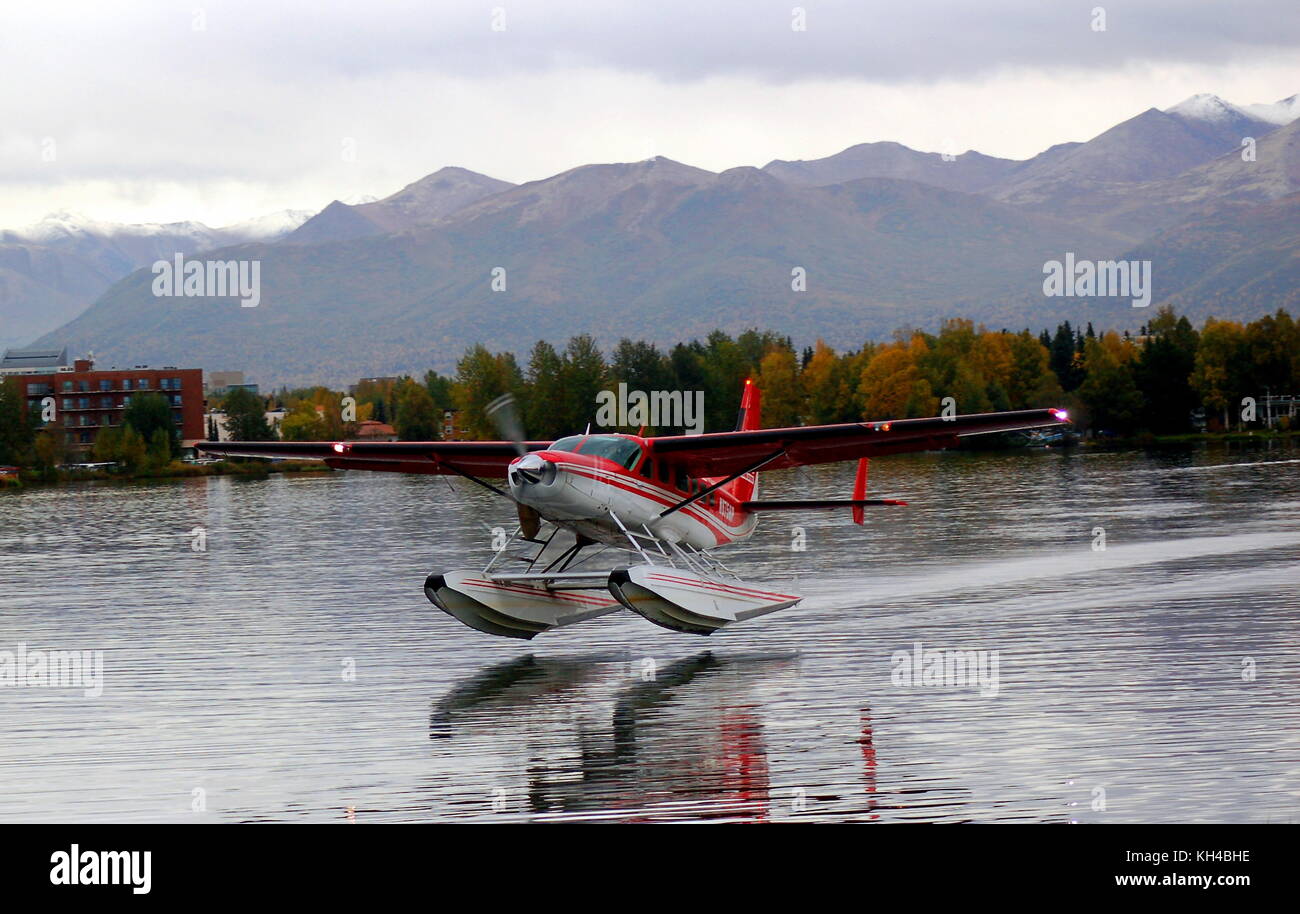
687, 39
258, 100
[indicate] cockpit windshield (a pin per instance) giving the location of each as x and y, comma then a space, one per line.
611, 447
570, 444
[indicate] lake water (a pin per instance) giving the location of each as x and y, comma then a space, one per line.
294, 670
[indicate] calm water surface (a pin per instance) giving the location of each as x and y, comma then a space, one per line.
294, 671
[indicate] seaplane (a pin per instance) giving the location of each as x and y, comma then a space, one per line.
612, 522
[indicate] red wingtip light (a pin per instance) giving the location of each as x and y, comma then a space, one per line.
1060, 415
748, 382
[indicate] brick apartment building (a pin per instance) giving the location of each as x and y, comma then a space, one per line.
87, 399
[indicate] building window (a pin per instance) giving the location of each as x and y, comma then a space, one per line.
85, 437
176, 399
126, 383
83, 386
67, 403
83, 403
105, 384
143, 384
67, 385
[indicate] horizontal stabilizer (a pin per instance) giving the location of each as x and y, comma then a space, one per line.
817, 504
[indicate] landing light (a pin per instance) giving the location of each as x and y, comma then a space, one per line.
340, 447
1060, 415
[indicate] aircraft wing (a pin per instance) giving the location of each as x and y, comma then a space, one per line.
477, 458
724, 453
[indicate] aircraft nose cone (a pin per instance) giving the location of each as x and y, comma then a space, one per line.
530, 470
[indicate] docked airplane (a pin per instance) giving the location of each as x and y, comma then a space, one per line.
659, 504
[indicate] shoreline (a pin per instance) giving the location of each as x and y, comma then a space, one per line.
175, 470
259, 468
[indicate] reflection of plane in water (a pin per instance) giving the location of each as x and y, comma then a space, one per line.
685, 742
705, 737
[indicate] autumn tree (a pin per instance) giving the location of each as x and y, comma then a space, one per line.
49, 451
1218, 372
481, 377
892, 384
303, 423
1109, 391
778, 379
1031, 383
827, 387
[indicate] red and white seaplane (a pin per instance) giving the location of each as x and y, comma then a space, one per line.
660, 503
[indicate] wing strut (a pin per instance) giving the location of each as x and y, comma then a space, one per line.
718, 485
487, 485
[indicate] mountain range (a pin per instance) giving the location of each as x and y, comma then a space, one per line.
51, 271
886, 236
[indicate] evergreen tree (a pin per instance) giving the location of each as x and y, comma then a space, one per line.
17, 430
150, 412
1064, 362
246, 417
1167, 361
543, 412
582, 378
416, 416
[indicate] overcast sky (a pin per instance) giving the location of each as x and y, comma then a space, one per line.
223, 110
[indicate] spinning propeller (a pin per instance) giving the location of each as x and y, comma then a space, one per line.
504, 413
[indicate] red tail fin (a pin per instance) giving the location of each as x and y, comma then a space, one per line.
750, 408
746, 487
860, 489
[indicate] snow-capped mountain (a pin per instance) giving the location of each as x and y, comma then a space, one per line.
267, 228
1279, 112
70, 228
1207, 107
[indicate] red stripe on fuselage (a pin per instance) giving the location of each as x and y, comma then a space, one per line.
690, 511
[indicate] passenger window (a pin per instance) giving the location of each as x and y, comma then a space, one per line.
648, 468
683, 483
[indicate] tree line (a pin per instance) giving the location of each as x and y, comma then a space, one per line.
1170, 378
145, 440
